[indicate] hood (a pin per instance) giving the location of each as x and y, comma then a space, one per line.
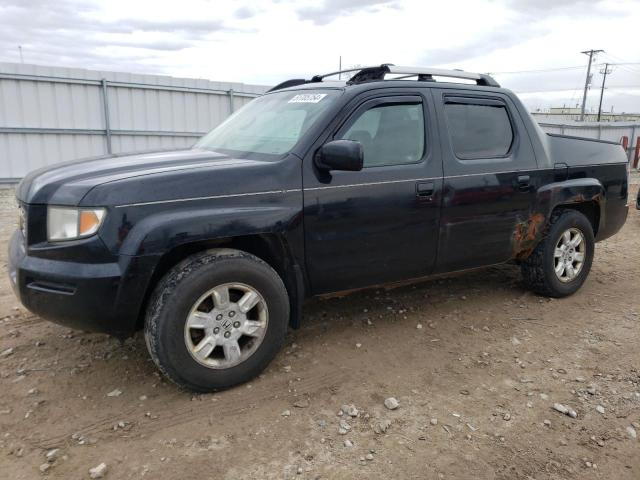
69, 182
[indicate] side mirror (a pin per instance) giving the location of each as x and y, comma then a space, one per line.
340, 155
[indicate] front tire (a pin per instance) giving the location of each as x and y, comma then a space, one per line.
561, 262
216, 320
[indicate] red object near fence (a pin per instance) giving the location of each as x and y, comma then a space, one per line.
636, 155
625, 142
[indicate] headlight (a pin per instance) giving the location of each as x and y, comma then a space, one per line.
22, 222
64, 223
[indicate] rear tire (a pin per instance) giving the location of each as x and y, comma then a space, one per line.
561, 262
216, 320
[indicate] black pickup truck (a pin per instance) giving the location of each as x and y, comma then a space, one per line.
317, 186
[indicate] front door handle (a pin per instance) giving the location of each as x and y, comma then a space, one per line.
523, 183
424, 190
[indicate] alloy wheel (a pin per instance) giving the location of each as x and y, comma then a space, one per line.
226, 325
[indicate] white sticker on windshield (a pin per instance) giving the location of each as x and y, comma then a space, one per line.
308, 98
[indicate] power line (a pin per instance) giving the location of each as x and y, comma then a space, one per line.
627, 66
559, 69
549, 90
626, 69
542, 70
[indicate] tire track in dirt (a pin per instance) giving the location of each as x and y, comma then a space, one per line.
26, 322
171, 416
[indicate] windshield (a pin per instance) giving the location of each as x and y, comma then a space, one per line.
271, 124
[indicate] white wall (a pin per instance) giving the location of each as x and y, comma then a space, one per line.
52, 114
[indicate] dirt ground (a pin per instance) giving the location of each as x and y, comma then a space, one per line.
476, 353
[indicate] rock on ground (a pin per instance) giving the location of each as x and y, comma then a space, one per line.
391, 403
350, 410
558, 407
52, 455
98, 472
6, 353
382, 426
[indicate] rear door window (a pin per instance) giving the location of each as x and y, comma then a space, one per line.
478, 128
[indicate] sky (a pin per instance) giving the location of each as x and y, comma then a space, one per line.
265, 42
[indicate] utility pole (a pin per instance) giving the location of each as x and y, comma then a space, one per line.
606, 71
340, 68
20, 50
591, 53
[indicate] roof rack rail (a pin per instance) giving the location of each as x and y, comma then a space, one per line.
289, 83
368, 74
318, 78
378, 72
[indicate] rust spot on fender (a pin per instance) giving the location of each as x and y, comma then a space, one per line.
526, 235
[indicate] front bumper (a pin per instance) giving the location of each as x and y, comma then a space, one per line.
99, 297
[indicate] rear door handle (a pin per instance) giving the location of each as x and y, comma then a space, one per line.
523, 182
424, 190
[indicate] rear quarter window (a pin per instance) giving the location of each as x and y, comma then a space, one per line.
479, 130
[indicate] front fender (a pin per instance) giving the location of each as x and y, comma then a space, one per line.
146, 233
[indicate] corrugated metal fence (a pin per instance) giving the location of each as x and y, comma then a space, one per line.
52, 114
